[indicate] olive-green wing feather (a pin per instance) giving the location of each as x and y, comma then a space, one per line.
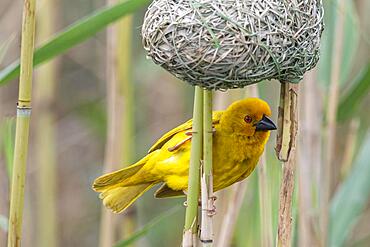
216, 116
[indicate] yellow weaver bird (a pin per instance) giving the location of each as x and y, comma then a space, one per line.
241, 132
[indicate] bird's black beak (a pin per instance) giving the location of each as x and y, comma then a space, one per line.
265, 124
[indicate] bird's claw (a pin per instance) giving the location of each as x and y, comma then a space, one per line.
212, 212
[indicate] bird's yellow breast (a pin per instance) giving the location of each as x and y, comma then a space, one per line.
235, 157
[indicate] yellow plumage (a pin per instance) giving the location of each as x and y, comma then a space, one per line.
241, 133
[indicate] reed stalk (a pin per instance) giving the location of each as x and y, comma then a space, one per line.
190, 227
285, 150
126, 121
235, 201
208, 208
45, 83
265, 204
22, 125
331, 117
309, 159
119, 146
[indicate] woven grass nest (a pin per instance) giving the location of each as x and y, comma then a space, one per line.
223, 44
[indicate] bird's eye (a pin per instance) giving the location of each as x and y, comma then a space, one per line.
247, 119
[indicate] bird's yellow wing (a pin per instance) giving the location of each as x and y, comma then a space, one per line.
216, 116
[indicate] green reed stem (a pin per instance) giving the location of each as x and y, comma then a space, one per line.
45, 133
190, 227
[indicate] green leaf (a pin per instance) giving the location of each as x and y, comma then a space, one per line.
3, 223
7, 141
351, 198
75, 34
351, 100
143, 231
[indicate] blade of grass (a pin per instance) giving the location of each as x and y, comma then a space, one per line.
351, 100
143, 231
75, 34
351, 198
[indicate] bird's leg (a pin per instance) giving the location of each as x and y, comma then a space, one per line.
212, 211
199, 201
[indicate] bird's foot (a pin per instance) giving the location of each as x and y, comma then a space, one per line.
212, 211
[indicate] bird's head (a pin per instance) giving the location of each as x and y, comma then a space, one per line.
248, 117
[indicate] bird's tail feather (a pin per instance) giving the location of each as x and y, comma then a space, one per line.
119, 198
118, 191
117, 178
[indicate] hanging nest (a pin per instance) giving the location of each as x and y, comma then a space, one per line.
223, 44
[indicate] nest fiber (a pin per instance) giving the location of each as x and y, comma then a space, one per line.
223, 44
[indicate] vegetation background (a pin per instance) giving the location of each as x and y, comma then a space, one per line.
72, 116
